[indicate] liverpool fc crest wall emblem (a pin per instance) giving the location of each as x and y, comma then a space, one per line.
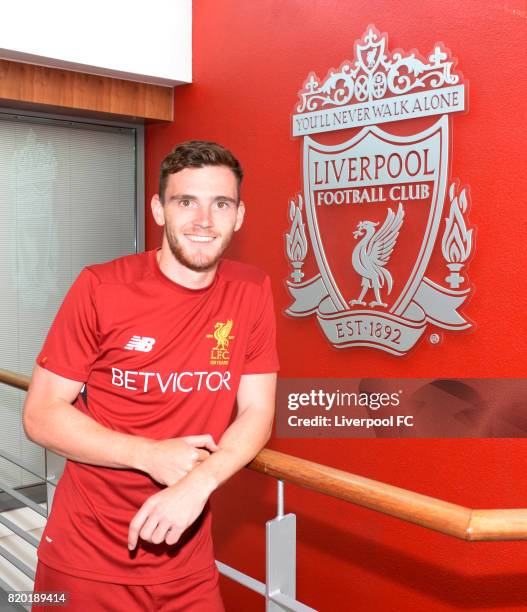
379, 216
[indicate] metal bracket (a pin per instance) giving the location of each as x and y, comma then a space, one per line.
280, 560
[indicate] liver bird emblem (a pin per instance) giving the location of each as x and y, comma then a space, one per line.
373, 252
222, 334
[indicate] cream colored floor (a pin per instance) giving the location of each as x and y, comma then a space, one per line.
32, 523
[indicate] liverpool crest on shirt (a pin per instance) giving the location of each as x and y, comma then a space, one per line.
219, 353
379, 221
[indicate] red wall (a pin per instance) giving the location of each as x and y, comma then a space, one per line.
250, 59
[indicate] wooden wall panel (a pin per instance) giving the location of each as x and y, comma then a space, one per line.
27, 83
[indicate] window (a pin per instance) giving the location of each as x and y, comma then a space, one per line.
67, 199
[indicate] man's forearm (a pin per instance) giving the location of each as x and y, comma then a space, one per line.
240, 443
168, 513
62, 428
173, 509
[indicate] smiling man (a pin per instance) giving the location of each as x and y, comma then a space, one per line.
136, 385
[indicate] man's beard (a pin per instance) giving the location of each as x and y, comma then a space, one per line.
200, 264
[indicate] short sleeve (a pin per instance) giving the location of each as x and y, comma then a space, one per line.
261, 356
72, 342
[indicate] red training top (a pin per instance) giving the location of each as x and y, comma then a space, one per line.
161, 361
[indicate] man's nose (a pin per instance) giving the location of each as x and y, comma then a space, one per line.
204, 217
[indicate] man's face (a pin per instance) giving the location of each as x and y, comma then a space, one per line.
200, 214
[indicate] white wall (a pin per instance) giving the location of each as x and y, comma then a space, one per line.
148, 41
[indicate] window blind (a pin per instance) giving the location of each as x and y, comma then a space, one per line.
67, 200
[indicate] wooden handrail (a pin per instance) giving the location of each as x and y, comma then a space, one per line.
451, 519
20, 381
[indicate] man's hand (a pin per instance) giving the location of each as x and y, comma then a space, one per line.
167, 514
168, 461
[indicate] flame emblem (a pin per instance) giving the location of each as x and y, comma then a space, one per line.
457, 239
296, 241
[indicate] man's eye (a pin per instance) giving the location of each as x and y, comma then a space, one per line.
184, 203
223, 204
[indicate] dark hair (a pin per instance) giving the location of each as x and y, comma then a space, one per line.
197, 154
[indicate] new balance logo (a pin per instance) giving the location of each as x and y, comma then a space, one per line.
140, 343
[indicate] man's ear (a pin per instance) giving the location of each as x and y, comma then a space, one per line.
158, 210
240, 214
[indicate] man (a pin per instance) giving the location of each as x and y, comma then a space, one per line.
163, 343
